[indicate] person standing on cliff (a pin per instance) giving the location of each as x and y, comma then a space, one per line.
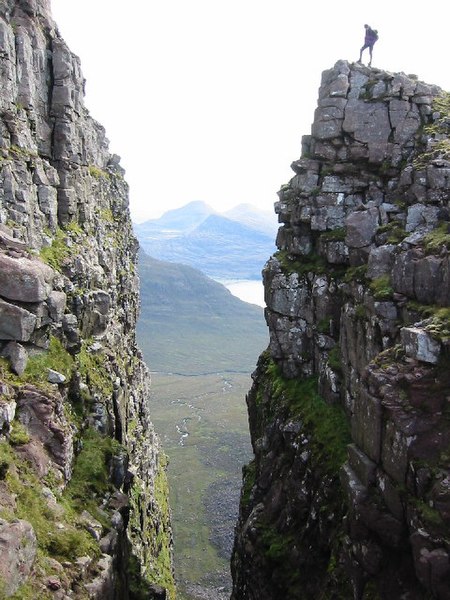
369, 41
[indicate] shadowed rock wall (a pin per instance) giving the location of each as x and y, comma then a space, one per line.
349, 492
77, 447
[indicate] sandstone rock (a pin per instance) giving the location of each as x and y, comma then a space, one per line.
18, 547
44, 417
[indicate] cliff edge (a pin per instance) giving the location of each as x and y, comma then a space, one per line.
83, 492
348, 495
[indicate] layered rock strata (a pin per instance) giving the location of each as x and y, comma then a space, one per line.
348, 495
83, 494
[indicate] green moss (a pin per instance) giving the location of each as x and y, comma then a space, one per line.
307, 264
336, 235
56, 358
395, 232
381, 288
356, 274
31, 505
90, 477
98, 173
334, 359
439, 326
59, 251
438, 132
18, 434
249, 480
437, 239
95, 370
327, 423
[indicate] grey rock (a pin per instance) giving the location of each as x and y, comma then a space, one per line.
16, 323
361, 227
24, 280
55, 377
420, 345
17, 356
18, 547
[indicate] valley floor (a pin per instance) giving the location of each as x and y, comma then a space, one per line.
202, 423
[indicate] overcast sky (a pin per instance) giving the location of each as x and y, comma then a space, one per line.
208, 99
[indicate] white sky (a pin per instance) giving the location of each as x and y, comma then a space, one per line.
208, 99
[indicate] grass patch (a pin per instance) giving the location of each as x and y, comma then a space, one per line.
381, 288
90, 478
335, 235
63, 544
307, 264
94, 370
439, 326
437, 239
18, 434
56, 358
395, 232
328, 423
356, 274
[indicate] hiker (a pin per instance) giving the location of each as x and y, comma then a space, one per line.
369, 41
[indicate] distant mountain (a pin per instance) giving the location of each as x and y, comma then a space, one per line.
247, 214
235, 246
190, 324
177, 221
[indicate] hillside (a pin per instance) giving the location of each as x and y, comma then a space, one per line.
235, 246
191, 324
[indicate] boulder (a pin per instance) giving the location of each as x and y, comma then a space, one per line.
420, 345
16, 323
24, 280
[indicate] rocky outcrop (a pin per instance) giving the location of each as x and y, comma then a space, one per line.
83, 494
348, 494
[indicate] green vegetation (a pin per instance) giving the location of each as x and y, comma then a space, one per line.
438, 132
437, 239
249, 479
60, 250
36, 372
356, 274
94, 369
65, 543
439, 326
328, 423
56, 358
310, 263
205, 464
18, 434
335, 235
395, 232
381, 288
334, 359
98, 173
90, 477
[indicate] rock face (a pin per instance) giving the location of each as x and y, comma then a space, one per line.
348, 495
82, 477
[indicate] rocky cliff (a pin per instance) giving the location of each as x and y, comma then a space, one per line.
348, 495
83, 498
